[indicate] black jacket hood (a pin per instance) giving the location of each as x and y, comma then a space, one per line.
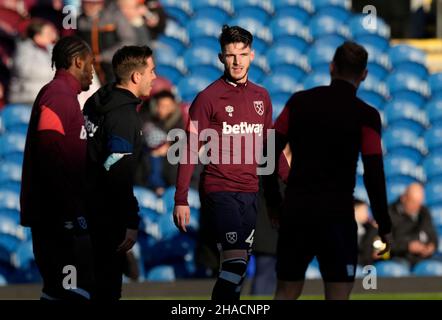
110, 97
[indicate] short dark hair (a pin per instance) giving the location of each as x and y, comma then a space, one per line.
66, 49
350, 59
35, 27
163, 94
129, 59
235, 34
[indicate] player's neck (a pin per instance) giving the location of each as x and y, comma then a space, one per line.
235, 83
353, 82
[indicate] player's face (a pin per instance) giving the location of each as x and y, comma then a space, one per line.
87, 72
147, 77
236, 58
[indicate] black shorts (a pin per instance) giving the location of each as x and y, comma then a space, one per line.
232, 218
333, 243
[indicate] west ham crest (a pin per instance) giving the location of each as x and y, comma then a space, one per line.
259, 107
231, 237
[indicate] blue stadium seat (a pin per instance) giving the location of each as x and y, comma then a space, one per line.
10, 175
376, 85
201, 55
281, 84
222, 5
360, 191
435, 82
178, 10
254, 12
434, 111
11, 143
403, 81
361, 25
439, 247
212, 73
163, 273
328, 25
284, 60
261, 33
9, 199
203, 28
320, 4
411, 96
337, 12
428, 268
400, 111
372, 98
190, 86
373, 40
402, 166
405, 53
15, 118
418, 70
278, 103
436, 215
8, 245
175, 37
316, 79
23, 257
379, 63
433, 138
218, 15
261, 10
433, 165
148, 200
322, 51
3, 281
391, 269
169, 65
395, 138
290, 31
192, 198
298, 10
433, 193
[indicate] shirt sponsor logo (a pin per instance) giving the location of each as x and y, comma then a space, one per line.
242, 128
83, 133
259, 107
91, 128
229, 110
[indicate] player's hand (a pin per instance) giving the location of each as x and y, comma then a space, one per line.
181, 217
416, 247
274, 214
386, 238
129, 241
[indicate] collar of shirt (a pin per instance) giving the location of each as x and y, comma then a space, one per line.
344, 85
72, 82
233, 84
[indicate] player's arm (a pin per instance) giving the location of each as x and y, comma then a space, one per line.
374, 177
199, 119
272, 191
59, 164
120, 166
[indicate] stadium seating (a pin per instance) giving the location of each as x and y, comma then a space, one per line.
294, 41
429, 268
391, 269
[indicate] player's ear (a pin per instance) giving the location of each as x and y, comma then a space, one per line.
221, 57
252, 55
78, 62
135, 77
364, 75
332, 68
